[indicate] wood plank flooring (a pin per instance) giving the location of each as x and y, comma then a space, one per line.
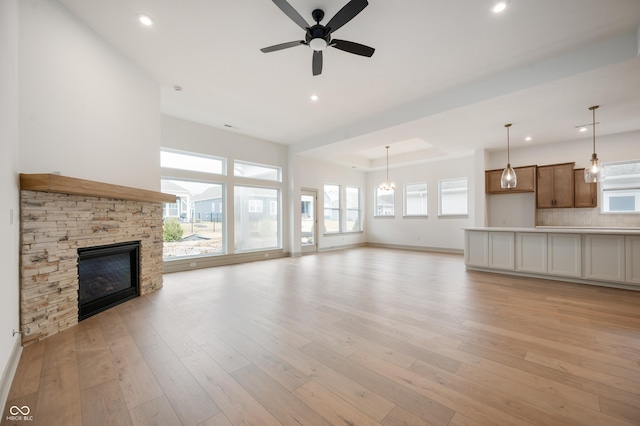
366, 336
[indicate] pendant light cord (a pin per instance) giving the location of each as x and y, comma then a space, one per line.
508, 149
387, 163
593, 111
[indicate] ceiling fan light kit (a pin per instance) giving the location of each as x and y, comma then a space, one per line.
318, 36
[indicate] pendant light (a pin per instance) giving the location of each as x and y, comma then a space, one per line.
594, 170
386, 185
509, 178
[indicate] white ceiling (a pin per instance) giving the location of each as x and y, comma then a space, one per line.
445, 77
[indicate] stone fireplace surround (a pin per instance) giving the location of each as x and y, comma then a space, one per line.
58, 215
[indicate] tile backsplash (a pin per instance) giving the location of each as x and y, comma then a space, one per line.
586, 217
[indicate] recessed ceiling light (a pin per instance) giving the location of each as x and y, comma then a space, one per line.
499, 7
583, 129
145, 20
528, 138
313, 97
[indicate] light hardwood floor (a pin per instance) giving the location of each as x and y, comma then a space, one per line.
358, 337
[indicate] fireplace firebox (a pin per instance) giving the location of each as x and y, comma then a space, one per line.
107, 276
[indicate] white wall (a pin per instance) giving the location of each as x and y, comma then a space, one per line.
518, 210
311, 174
9, 194
193, 137
85, 110
434, 232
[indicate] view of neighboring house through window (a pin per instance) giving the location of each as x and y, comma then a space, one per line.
195, 224
353, 209
331, 208
384, 202
415, 199
452, 197
257, 218
620, 187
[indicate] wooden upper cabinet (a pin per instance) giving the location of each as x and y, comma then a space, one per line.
555, 186
585, 194
526, 180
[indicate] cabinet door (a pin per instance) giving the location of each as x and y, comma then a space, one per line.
501, 250
564, 255
632, 251
544, 195
476, 252
526, 180
531, 252
585, 194
604, 257
563, 185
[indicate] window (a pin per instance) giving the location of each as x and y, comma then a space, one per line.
180, 160
621, 187
384, 202
256, 171
353, 209
332, 208
256, 228
452, 197
415, 199
194, 225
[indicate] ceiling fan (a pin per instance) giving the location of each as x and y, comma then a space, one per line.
318, 37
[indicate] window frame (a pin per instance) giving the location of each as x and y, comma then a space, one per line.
406, 204
268, 212
348, 209
627, 190
376, 198
337, 210
277, 169
440, 204
222, 160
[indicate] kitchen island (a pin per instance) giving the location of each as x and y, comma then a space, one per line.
600, 256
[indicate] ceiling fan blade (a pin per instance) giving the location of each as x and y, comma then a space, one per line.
292, 13
347, 13
351, 47
317, 62
282, 46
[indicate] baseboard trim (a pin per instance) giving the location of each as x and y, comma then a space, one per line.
10, 371
416, 248
188, 264
344, 247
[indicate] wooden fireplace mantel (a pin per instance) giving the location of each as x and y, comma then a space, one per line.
74, 186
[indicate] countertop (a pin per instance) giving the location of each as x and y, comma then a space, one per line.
562, 230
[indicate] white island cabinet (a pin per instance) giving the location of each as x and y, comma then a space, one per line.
604, 257
609, 257
565, 254
632, 252
531, 255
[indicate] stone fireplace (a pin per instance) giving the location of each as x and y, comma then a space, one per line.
58, 216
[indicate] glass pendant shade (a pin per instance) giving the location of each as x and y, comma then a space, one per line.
509, 178
594, 170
